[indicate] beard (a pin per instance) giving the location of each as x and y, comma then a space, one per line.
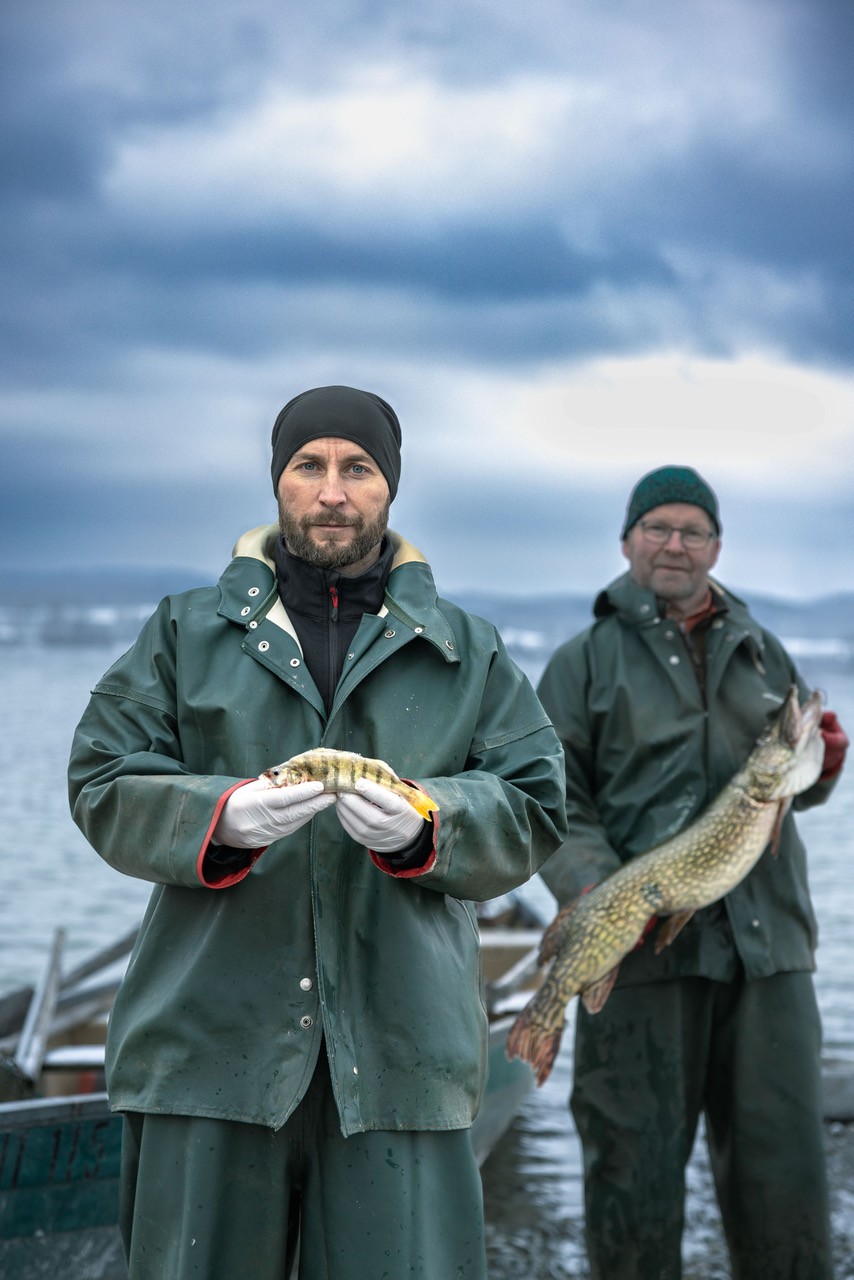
330, 554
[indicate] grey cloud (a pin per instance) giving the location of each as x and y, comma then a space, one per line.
710, 246
72, 257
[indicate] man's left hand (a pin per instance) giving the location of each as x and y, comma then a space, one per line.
378, 818
835, 744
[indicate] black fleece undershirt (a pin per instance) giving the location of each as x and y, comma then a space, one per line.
326, 608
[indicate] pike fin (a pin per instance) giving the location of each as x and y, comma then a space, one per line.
669, 928
593, 997
533, 1043
782, 810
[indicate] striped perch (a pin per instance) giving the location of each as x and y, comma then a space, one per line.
341, 770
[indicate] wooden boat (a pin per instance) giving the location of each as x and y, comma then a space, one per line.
60, 1143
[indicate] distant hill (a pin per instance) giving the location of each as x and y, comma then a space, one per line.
106, 605
564, 615
108, 585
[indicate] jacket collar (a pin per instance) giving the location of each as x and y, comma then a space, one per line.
249, 592
637, 606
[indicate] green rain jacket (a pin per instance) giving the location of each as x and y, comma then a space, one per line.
232, 987
647, 750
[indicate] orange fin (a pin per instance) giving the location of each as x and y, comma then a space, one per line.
422, 803
593, 997
669, 928
533, 1043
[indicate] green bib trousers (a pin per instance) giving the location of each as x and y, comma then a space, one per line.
746, 1056
218, 1200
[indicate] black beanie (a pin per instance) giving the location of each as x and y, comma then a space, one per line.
345, 412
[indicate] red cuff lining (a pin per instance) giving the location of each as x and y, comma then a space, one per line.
236, 876
379, 861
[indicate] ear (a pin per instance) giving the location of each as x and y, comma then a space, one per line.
624, 547
715, 554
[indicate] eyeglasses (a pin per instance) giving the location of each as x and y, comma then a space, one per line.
692, 537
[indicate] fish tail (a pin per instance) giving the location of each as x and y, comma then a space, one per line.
420, 801
532, 1042
422, 804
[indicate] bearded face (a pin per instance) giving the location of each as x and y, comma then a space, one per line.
332, 541
333, 505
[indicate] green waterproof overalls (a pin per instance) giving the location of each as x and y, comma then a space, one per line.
723, 1024
308, 1029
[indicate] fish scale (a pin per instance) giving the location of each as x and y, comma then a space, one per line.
587, 939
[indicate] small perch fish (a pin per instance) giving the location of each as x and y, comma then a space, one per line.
341, 770
587, 939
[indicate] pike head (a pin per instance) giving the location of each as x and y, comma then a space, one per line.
788, 758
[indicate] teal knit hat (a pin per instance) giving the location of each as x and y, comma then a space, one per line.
670, 484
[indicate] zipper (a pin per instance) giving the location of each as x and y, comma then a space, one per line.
332, 644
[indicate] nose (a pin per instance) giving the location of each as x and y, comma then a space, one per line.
332, 492
674, 540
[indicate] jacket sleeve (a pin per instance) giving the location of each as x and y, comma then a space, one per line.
134, 799
503, 815
586, 856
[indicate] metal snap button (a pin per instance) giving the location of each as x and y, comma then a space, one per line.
254, 591
294, 662
389, 635
305, 984
244, 611
252, 625
305, 1021
418, 630
673, 660
264, 646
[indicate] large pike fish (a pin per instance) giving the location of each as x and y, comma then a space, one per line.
587, 939
341, 770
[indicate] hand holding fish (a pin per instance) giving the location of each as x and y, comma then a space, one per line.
589, 938
381, 820
835, 744
341, 771
375, 806
256, 813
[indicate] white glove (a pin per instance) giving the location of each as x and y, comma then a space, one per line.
256, 814
379, 819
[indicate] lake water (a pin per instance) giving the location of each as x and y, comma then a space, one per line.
51, 878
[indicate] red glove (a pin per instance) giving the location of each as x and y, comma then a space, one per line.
647, 930
835, 745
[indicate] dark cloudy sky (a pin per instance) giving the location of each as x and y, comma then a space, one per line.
568, 241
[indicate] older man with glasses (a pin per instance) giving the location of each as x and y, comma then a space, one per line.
657, 705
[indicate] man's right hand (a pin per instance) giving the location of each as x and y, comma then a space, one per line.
256, 814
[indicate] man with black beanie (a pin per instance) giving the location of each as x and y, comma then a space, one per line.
299, 1043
